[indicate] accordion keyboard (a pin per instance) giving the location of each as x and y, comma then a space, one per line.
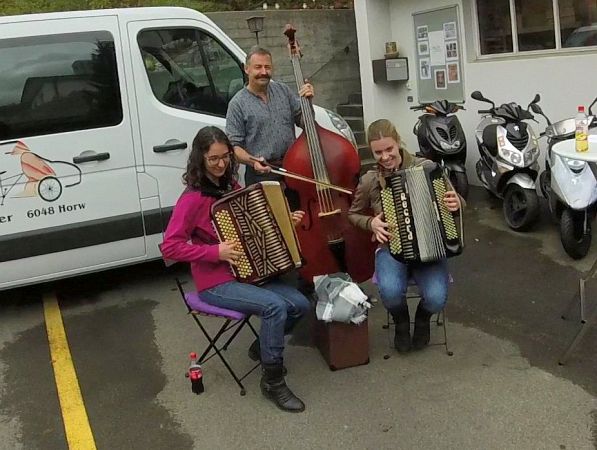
263, 247
423, 229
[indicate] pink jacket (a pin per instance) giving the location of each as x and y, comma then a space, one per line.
191, 221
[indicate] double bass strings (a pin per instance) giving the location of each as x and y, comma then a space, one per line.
323, 194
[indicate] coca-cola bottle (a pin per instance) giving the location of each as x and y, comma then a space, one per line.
195, 374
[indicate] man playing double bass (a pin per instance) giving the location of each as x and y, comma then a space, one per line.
261, 118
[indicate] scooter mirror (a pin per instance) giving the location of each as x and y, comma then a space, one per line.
591, 107
537, 99
478, 96
536, 108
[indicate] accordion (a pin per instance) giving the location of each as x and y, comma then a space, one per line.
423, 230
259, 218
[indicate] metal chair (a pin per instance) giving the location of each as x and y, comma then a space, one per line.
413, 293
233, 321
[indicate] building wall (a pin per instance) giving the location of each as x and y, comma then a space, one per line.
328, 39
564, 80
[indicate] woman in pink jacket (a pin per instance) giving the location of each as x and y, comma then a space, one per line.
190, 237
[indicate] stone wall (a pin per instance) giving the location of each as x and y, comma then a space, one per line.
329, 45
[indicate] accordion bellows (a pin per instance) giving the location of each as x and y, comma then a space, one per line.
423, 229
258, 217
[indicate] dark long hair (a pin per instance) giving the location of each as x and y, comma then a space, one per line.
195, 176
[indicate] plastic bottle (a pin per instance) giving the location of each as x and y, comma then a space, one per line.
582, 130
195, 374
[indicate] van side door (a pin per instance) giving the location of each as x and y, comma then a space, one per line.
67, 165
185, 74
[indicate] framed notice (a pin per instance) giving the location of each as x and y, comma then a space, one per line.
438, 55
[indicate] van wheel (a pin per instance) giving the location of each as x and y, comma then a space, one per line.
575, 239
49, 189
520, 207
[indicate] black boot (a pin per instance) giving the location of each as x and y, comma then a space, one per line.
255, 354
274, 387
402, 325
422, 334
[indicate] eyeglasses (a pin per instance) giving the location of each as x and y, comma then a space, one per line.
215, 160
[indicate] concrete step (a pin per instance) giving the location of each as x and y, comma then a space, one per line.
364, 152
355, 98
351, 110
356, 123
360, 137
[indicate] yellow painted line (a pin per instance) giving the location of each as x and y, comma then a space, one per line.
74, 415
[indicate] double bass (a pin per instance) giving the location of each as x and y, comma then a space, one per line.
329, 242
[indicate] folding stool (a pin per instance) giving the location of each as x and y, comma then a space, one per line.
233, 321
413, 293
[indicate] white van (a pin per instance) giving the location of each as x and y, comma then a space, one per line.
98, 110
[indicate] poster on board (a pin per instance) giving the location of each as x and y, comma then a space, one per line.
439, 75
422, 33
437, 49
424, 69
453, 70
451, 51
450, 30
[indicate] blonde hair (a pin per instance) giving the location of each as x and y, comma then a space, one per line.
380, 129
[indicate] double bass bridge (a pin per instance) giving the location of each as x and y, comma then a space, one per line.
329, 213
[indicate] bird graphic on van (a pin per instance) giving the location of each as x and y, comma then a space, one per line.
41, 178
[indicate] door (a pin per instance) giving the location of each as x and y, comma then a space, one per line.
185, 75
69, 200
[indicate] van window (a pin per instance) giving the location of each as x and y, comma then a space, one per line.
58, 83
189, 69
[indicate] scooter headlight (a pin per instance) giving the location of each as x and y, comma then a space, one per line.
343, 127
445, 145
575, 165
514, 157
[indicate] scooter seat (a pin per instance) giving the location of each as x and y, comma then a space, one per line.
490, 139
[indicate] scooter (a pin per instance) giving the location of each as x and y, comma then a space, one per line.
569, 185
442, 140
508, 166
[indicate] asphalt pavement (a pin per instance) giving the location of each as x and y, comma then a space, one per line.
129, 336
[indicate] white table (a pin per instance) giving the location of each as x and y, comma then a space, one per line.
568, 149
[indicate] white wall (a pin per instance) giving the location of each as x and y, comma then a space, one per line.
564, 80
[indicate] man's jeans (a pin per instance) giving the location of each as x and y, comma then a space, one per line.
279, 306
392, 281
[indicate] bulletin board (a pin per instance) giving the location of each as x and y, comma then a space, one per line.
438, 55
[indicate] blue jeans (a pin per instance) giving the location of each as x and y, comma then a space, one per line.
279, 306
392, 281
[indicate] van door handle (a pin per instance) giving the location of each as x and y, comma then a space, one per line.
170, 145
89, 156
